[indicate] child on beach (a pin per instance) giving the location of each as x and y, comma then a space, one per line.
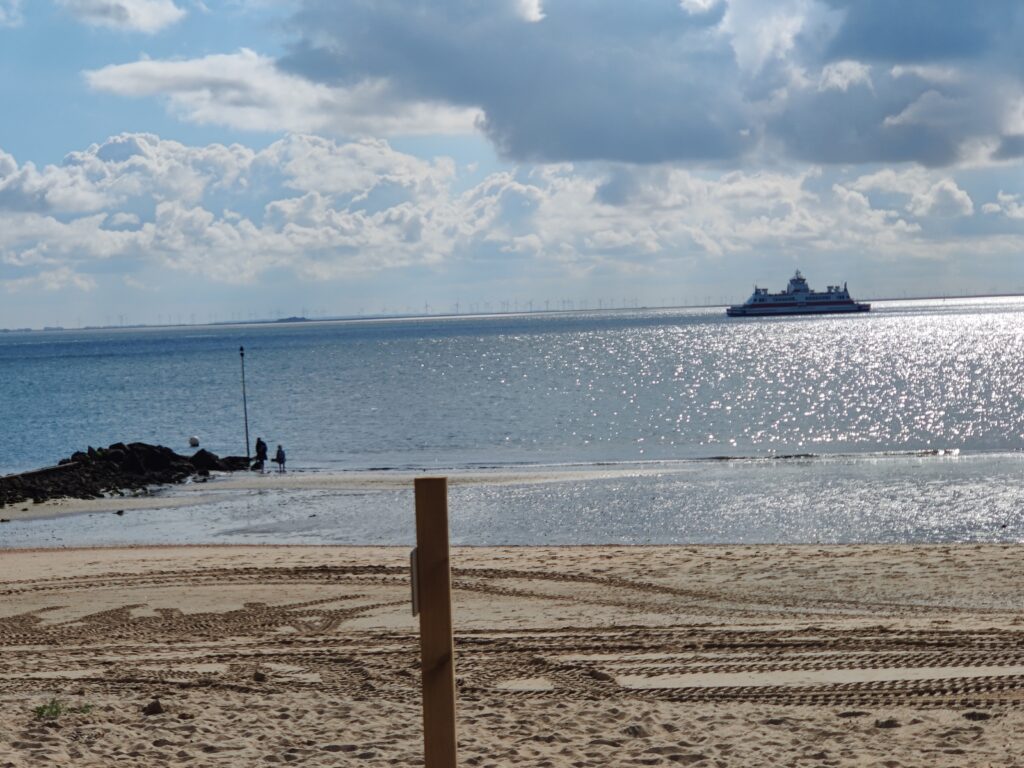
279, 458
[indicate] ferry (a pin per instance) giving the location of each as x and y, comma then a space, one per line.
797, 299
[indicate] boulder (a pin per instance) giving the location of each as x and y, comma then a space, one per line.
114, 456
153, 457
133, 464
235, 463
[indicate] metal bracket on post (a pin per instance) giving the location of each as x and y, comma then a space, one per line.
414, 570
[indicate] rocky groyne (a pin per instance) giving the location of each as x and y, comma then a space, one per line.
122, 467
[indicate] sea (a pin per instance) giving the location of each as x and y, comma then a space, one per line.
661, 426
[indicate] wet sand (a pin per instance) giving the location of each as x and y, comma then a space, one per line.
572, 656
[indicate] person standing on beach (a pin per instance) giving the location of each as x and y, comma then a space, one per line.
261, 454
279, 457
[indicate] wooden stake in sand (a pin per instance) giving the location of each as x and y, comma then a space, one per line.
433, 598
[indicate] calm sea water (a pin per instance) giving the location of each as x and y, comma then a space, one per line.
906, 423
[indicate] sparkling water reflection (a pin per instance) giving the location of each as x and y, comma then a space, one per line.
533, 389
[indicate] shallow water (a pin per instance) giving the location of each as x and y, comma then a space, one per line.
893, 499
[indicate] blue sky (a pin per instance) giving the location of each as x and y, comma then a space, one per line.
188, 159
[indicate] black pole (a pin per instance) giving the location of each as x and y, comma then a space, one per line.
245, 407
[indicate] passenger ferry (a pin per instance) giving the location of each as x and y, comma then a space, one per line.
797, 299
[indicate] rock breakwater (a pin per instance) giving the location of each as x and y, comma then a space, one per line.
122, 467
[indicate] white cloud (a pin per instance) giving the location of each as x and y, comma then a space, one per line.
358, 167
122, 220
759, 35
247, 91
50, 280
10, 13
154, 203
930, 72
943, 199
323, 209
122, 168
148, 16
30, 189
665, 214
698, 6
1011, 206
531, 10
905, 181
840, 75
927, 193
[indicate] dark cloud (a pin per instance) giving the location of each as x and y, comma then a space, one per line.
918, 30
595, 79
650, 82
897, 119
1011, 147
939, 73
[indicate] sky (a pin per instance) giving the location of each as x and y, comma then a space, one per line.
207, 160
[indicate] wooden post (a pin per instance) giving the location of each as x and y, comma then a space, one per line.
437, 650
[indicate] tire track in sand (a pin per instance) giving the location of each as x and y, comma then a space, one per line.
323, 640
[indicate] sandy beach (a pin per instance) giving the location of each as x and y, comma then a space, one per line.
576, 656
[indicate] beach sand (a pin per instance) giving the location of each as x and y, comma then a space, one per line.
576, 656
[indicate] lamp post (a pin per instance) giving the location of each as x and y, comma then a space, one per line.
245, 407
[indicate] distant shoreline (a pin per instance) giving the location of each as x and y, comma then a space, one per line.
451, 315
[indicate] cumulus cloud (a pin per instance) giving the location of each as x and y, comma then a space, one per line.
1011, 206
30, 189
136, 15
925, 193
944, 198
322, 209
304, 203
247, 91
325, 209
353, 169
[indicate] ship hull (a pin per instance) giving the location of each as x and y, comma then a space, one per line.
742, 310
